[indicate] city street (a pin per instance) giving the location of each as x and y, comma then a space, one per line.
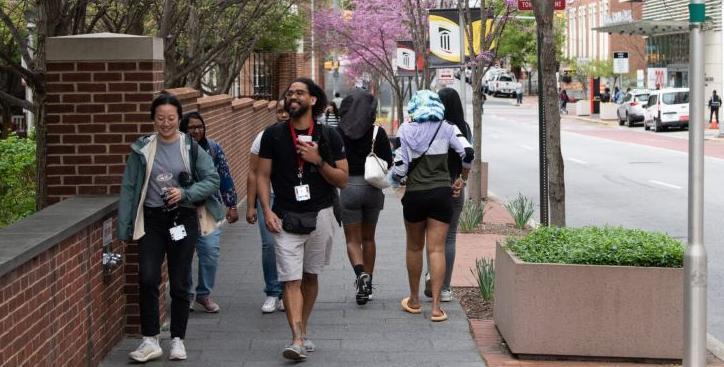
617, 176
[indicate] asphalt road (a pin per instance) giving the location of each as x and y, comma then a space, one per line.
616, 176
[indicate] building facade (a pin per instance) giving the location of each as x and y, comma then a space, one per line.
664, 29
585, 43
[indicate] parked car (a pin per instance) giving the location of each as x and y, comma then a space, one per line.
503, 84
631, 110
667, 108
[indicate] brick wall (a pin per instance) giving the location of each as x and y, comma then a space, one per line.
633, 44
94, 111
58, 308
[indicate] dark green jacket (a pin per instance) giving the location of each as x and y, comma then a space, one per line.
135, 182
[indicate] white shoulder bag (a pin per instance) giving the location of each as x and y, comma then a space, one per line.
375, 168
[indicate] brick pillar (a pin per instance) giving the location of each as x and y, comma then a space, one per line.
100, 87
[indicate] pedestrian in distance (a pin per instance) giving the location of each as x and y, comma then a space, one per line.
361, 202
563, 98
337, 100
714, 104
207, 248
617, 95
305, 163
427, 203
254, 214
458, 177
167, 200
606, 95
518, 93
331, 115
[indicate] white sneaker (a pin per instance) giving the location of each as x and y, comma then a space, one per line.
446, 295
178, 350
148, 350
270, 305
281, 306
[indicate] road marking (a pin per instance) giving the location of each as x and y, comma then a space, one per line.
526, 147
574, 160
664, 184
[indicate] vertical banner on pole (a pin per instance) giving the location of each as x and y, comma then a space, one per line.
445, 37
406, 60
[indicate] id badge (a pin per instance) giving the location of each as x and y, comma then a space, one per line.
302, 192
178, 232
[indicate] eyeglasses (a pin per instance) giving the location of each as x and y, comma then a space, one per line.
196, 128
298, 93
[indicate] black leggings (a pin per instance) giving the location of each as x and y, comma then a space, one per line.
153, 247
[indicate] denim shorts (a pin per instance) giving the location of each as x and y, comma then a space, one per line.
361, 202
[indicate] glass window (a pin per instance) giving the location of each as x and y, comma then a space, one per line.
675, 98
505, 78
642, 97
652, 100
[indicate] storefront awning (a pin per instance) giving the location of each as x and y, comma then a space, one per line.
645, 27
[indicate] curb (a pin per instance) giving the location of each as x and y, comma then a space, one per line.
715, 346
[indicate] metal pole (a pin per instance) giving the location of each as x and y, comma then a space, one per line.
463, 87
695, 261
721, 90
542, 140
313, 46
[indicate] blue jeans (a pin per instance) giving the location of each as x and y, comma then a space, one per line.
207, 251
273, 288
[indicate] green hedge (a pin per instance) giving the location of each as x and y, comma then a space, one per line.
17, 179
598, 246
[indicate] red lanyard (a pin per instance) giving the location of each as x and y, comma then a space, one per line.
293, 133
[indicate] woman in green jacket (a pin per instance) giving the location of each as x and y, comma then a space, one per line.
166, 202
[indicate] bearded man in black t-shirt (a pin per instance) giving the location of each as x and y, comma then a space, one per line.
305, 163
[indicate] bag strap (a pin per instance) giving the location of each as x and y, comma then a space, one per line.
412, 166
374, 137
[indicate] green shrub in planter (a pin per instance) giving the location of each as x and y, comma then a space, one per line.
598, 246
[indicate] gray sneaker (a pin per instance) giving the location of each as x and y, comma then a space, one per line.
446, 295
309, 345
295, 352
149, 349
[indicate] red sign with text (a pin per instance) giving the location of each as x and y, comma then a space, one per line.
528, 4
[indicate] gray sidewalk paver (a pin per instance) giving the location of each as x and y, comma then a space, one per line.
377, 334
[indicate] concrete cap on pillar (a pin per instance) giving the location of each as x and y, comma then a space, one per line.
104, 46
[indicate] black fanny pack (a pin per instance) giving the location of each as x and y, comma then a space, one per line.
299, 223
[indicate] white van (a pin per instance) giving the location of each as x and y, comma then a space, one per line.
667, 108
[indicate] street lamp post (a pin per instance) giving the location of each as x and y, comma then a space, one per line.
695, 259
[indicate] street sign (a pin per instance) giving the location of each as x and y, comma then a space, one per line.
528, 5
620, 62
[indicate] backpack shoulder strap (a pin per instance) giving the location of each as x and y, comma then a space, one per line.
194, 157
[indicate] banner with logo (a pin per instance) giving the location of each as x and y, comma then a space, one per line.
444, 31
406, 59
656, 78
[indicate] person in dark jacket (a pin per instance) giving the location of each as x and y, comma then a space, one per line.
207, 248
361, 202
164, 176
714, 104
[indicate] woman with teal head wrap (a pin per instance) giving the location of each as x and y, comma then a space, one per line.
427, 204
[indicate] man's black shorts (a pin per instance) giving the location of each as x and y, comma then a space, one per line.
435, 203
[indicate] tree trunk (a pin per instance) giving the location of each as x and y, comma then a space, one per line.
557, 194
475, 187
5, 118
39, 97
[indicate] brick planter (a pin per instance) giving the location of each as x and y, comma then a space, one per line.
588, 310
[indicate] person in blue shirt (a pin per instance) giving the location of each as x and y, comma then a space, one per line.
207, 248
617, 95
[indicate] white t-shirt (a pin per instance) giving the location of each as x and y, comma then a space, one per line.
256, 144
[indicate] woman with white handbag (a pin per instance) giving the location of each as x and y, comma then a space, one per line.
369, 156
